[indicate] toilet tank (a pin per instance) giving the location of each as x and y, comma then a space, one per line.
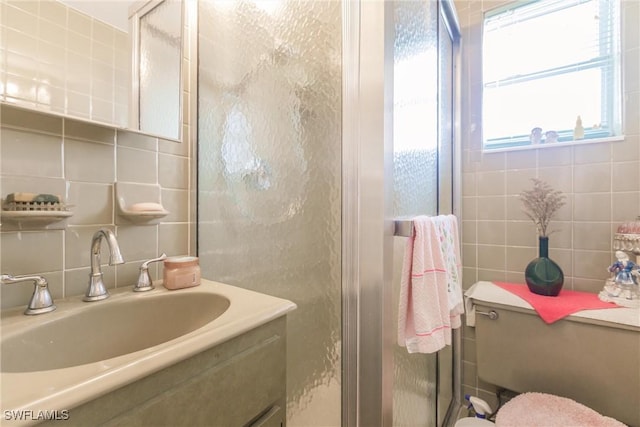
595, 362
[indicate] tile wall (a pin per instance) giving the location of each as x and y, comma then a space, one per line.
601, 182
80, 161
57, 59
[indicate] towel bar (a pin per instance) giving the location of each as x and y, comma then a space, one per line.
403, 227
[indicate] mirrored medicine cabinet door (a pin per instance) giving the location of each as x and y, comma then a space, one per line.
157, 48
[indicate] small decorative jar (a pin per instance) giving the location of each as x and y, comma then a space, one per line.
551, 137
536, 136
181, 272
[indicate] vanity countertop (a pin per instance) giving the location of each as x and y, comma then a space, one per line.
66, 388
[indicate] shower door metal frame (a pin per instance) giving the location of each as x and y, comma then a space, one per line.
449, 17
367, 230
368, 329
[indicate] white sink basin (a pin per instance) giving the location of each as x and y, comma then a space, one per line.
59, 360
107, 329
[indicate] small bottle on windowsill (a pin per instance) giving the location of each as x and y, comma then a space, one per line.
578, 131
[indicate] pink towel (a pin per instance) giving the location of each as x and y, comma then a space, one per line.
542, 409
551, 309
424, 314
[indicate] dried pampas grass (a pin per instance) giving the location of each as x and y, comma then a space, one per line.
541, 203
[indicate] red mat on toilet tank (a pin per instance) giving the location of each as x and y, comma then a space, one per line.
551, 309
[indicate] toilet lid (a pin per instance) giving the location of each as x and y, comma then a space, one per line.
541, 409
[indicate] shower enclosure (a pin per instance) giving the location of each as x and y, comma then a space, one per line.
318, 123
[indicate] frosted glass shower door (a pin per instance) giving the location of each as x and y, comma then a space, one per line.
269, 176
415, 169
423, 153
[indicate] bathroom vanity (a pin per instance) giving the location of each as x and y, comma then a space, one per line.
227, 367
237, 383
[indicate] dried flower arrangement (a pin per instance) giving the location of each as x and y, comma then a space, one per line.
541, 203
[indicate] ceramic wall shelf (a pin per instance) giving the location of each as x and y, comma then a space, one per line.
34, 218
138, 203
23, 206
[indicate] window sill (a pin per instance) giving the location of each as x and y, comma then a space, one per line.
554, 145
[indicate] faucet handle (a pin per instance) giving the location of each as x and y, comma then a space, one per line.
144, 278
41, 300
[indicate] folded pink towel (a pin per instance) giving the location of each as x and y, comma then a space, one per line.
551, 309
541, 409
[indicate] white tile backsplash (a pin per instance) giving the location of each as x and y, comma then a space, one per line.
139, 243
88, 162
177, 203
592, 207
57, 59
174, 171
77, 280
592, 178
78, 23
32, 252
136, 140
624, 206
86, 159
76, 246
93, 203
53, 11
135, 165
128, 273
52, 50
33, 154
172, 238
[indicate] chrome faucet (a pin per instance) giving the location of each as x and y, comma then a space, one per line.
144, 278
97, 290
41, 301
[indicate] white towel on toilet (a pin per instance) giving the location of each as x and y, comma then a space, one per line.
430, 290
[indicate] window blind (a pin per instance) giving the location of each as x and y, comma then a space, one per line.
546, 63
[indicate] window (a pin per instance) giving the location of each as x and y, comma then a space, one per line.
547, 65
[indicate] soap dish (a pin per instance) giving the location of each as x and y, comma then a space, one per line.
139, 203
143, 216
15, 206
33, 213
35, 217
